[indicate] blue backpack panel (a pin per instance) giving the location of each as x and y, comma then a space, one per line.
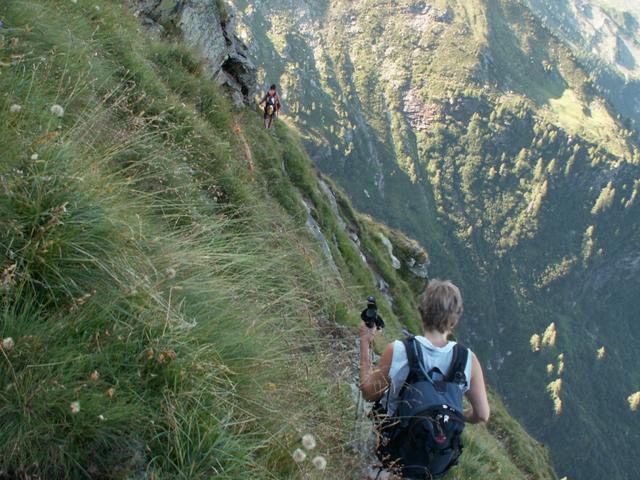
422, 440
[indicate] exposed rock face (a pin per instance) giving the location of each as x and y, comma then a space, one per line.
204, 24
419, 114
420, 270
316, 232
395, 263
333, 202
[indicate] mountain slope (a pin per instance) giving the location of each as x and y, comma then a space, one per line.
478, 130
177, 283
604, 35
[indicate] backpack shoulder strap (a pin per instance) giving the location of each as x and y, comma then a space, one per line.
415, 370
458, 364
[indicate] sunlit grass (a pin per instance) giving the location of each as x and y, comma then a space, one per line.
594, 122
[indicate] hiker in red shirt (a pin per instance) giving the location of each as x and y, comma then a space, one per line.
271, 102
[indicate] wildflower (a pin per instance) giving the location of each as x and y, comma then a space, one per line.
15, 108
7, 344
57, 110
535, 342
170, 272
110, 392
94, 376
298, 455
101, 418
160, 358
149, 353
319, 462
34, 157
75, 407
600, 353
308, 441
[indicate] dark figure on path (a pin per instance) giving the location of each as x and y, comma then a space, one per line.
271, 102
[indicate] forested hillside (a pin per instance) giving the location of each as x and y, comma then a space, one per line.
179, 287
512, 156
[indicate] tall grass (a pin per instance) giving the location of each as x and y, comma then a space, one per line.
163, 327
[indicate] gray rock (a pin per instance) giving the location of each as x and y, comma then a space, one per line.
420, 270
203, 26
333, 202
316, 232
395, 263
383, 287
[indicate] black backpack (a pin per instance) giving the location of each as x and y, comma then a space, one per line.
422, 440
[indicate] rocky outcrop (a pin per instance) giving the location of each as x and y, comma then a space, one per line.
395, 263
420, 115
326, 189
316, 232
420, 270
209, 27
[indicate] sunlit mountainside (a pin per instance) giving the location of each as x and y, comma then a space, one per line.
502, 135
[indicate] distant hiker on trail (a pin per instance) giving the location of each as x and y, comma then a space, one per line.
271, 102
418, 386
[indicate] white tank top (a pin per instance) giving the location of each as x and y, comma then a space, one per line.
434, 357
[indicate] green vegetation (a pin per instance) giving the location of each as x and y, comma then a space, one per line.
475, 128
143, 279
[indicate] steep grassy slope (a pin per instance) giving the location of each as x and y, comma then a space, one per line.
477, 130
165, 312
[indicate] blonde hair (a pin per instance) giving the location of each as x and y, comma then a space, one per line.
440, 306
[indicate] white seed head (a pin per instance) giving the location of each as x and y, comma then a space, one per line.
7, 343
319, 462
75, 407
57, 110
34, 157
170, 272
309, 441
15, 108
298, 455
101, 418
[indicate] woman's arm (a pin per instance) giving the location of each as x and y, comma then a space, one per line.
374, 380
477, 395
